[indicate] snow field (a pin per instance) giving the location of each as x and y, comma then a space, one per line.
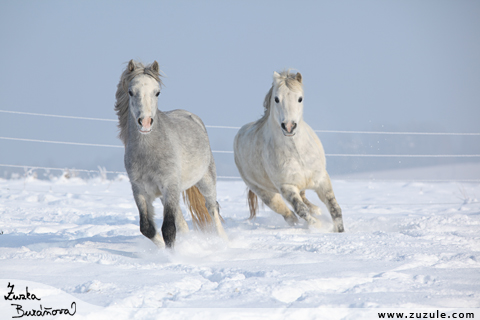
406, 245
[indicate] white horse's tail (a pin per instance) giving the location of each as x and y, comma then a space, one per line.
195, 203
252, 204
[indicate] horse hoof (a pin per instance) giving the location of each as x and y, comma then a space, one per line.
221, 233
314, 223
291, 220
158, 240
316, 211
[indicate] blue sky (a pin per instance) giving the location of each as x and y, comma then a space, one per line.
366, 65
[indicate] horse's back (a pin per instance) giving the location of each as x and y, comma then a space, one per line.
191, 143
185, 118
188, 126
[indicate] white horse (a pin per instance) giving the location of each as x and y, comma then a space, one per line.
279, 156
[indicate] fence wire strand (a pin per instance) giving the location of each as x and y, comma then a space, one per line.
231, 152
236, 128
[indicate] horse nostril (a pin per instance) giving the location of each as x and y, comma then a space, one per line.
151, 121
289, 127
140, 121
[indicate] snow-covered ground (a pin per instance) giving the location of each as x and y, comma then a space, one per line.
407, 245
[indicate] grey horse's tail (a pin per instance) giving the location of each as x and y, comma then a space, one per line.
195, 203
252, 204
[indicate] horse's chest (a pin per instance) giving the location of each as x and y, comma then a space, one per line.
294, 165
300, 172
147, 165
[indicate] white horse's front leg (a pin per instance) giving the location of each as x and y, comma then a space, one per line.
292, 194
275, 202
313, 208
325, 193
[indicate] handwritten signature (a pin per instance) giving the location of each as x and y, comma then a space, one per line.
39, 312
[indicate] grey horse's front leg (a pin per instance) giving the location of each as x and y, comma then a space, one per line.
292, 194
171, 207
147, 212
168, 227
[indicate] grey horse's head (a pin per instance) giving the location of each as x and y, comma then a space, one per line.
143, 91
136, 96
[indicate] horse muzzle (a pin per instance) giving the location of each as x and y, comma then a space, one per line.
288, 128
145, 125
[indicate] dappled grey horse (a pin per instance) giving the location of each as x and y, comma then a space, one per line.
280, 156
166, 153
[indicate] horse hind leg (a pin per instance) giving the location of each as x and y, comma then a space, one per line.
180, 222
147, 223
214, 210
275, 202
195, 203
207, 189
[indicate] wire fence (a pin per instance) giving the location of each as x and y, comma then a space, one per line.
231, 152
236, 128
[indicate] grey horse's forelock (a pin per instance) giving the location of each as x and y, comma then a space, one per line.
122, 97
286, 78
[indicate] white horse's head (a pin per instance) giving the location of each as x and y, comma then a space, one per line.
286, 101
143, 91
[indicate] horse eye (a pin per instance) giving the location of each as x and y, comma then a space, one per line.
130, 93
277, 100
157, 94
300, 99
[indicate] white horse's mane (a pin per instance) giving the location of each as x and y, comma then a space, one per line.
284, 78
133, 69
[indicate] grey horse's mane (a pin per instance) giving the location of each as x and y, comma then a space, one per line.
286, 78
133, 69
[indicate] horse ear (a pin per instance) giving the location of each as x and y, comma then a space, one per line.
131, 65
155, 67
276, 77
299, 77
